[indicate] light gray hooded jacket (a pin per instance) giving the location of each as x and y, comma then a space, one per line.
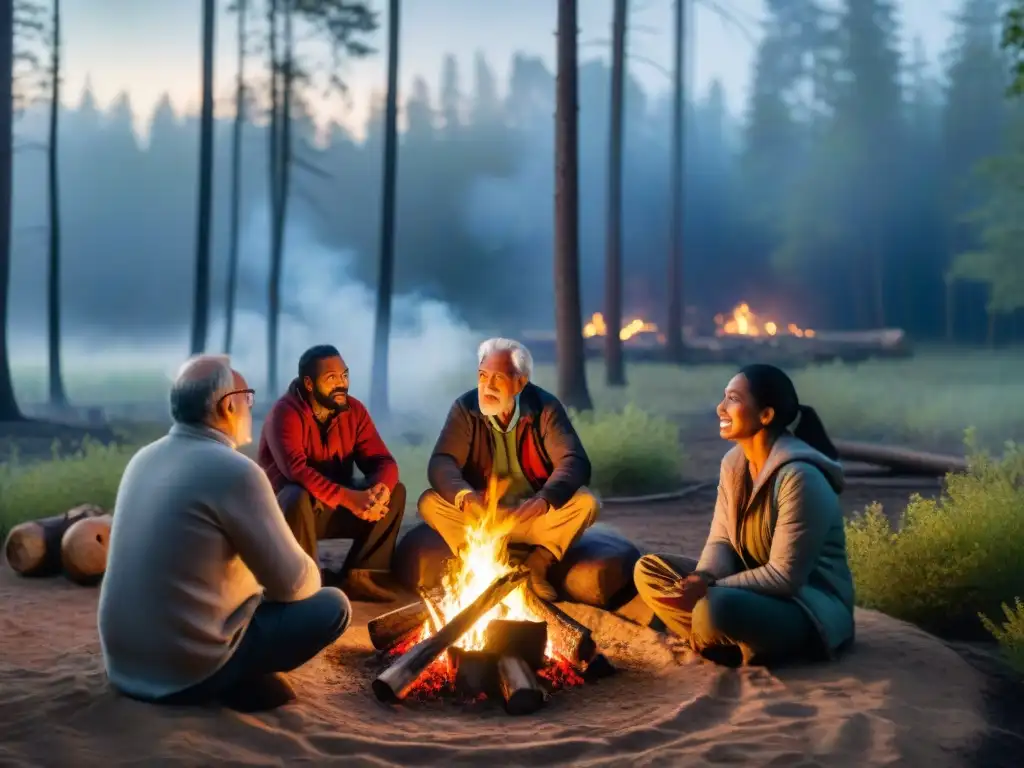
798, 550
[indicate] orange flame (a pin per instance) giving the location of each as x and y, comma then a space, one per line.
598, 327
743, 321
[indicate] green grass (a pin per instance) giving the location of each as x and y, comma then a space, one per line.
950, 558
1010, 634
931, 398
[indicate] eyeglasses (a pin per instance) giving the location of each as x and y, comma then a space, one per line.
250, 396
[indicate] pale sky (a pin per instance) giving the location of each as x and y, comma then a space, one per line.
148, 47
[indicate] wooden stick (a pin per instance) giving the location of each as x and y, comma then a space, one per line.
519, 686
388, 628
33, 548
394, 683
569, 638
901, 460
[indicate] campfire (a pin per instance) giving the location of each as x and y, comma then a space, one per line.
483, 633
632, 329
743, 321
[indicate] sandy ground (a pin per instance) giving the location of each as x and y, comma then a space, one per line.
901, 697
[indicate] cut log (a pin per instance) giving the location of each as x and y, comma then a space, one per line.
34, 548
568, 637
526, 640
476, 672
394, 683
83, 550
522, 692
900, 460
388, 628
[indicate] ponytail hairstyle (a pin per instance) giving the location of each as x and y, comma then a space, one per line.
772, 388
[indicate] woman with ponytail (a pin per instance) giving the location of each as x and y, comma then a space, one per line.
773, 581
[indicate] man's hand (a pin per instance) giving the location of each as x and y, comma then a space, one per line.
531, 508
371, 505
380, 495
473, 507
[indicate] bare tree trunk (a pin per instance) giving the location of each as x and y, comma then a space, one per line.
382, 326
674, 323
9, 410
58, 397
201, 306
276, 193
615, 370
236, 181
572, 372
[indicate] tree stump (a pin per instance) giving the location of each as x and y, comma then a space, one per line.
34, 548
84, 550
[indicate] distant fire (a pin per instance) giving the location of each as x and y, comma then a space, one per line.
742, 321
635, 327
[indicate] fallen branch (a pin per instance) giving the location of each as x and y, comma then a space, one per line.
900, 460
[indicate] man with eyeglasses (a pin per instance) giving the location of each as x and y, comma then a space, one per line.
207, 596
314, 437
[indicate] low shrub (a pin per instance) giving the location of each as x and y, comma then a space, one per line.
631, 452
1010, 634
951, 558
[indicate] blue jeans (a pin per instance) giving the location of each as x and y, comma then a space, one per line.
280, 637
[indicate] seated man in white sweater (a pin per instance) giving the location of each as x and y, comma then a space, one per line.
207, 595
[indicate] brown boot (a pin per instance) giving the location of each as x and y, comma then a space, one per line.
539, 563
359, 585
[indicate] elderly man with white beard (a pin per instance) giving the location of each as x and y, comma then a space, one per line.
515, 430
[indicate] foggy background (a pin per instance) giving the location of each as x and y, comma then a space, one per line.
775, 208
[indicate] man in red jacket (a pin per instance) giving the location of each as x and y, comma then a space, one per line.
313, 439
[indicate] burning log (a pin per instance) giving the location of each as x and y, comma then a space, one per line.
476, 672
394, 683
570, 638
33, 548
520, 688
900, 460
526, 639
388, 628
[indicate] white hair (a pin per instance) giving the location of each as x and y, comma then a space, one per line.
199, 385
522, 360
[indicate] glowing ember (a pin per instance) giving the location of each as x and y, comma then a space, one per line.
598, 327
743, 321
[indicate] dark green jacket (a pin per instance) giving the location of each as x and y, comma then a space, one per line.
798, 550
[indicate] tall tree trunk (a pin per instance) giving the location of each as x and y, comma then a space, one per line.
382, 326
615, 370
572, 372
236, 182
201, 305
58, 397
277, 162
9, 410
674, 320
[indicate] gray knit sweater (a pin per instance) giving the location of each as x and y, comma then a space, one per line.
198, 540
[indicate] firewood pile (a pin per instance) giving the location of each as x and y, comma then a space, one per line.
520, 663
74, 543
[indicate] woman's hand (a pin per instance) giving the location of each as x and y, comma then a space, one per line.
689, 591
